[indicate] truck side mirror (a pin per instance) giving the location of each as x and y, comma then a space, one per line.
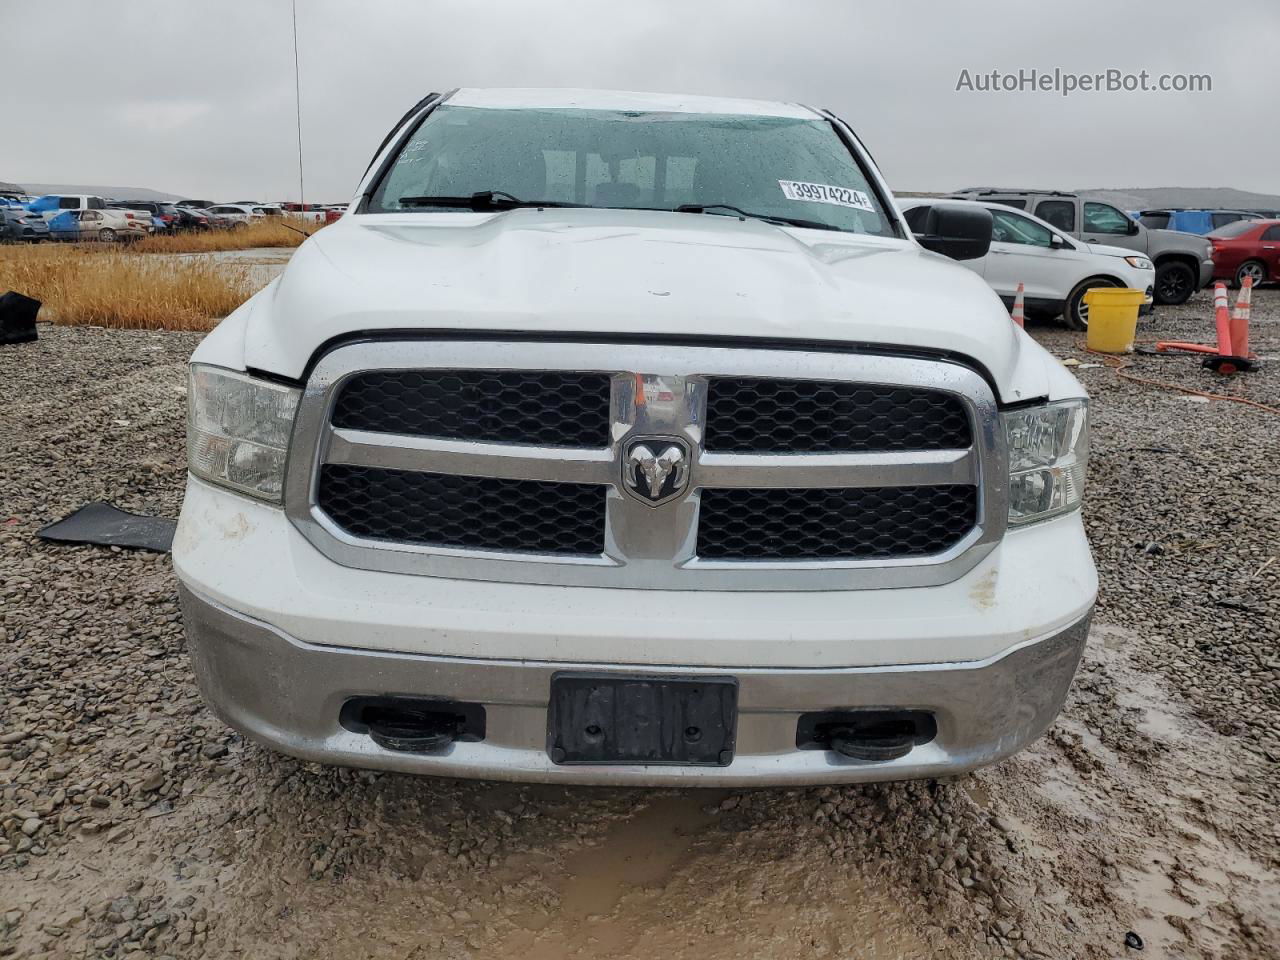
1133, 228
961, 233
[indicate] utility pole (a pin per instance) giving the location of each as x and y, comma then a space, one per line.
297, 104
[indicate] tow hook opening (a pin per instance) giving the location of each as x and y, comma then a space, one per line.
413, 724
870, 735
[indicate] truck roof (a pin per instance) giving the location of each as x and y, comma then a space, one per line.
511, 98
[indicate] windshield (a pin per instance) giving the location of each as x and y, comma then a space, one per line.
1234, 229
765, 166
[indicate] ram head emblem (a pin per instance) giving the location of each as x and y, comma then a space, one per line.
656, 470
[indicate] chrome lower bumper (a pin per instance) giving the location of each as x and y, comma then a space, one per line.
287, 694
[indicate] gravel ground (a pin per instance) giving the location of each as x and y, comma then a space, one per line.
132, 822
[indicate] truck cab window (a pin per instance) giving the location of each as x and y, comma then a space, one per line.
1104, 218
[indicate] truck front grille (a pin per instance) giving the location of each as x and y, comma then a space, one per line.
750, 414
767, 469
551, 408
866, 523
483, 513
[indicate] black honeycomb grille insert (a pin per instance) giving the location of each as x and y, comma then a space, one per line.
446, 510
868, 523
544, 408
758, 415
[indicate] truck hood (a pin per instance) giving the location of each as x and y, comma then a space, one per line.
1176, 240
648, 273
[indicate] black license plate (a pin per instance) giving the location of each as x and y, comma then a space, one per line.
606, 718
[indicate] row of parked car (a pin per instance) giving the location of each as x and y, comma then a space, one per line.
1059, 245
1203, 222
83, 217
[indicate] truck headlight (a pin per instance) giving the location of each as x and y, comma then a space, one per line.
1048, 451
238, 430
1138, 263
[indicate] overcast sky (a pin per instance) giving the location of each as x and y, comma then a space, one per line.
197, 98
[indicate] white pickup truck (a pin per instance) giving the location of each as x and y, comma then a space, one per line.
631, 438
52, 204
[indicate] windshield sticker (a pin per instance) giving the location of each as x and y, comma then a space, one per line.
826, 193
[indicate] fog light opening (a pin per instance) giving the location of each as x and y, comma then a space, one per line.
413, 725
873, 736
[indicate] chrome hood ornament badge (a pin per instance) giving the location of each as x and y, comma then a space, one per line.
655, 470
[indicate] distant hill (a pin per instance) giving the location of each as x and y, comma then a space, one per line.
118, 193
1145, 198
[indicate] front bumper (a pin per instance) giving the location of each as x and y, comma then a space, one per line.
288, 694
250, 558
1149, 304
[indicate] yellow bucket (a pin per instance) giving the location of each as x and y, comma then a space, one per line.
1113, 318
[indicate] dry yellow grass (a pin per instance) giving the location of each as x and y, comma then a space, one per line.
264, 233
120, 288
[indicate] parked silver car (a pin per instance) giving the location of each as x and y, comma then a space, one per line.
107, 226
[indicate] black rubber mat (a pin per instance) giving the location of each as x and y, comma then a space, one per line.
18, 318
102, 524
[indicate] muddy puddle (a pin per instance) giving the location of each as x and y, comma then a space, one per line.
671, 882
1143, 814
262, 264
639, 854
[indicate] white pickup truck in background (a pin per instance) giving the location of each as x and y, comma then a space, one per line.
51, 204
633, 438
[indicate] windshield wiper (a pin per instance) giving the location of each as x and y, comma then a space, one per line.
484, 200
766, 217
501, 200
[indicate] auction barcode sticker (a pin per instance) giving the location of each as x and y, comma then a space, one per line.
825, 193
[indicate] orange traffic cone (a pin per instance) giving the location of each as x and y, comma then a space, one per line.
1222, 319
1240, 319
1018, 315
1232, 352
1233, 333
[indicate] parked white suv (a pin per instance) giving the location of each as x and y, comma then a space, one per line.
1184, 262
239, 214
617, 437
1055, 271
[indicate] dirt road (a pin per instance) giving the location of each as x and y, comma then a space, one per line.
134, 823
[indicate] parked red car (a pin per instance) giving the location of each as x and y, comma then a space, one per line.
1247, 248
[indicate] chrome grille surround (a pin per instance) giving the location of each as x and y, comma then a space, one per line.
647, 547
